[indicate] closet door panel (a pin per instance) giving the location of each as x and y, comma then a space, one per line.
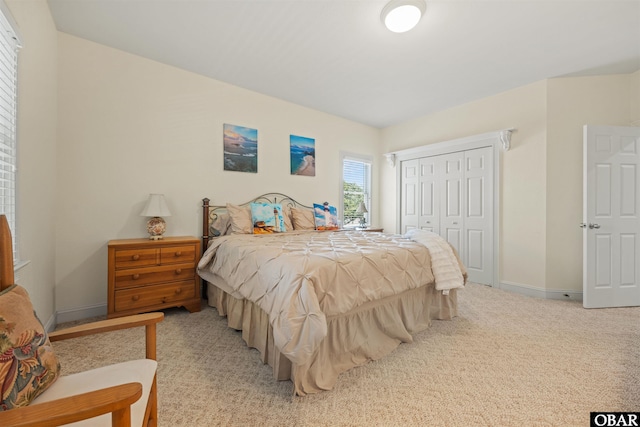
475, 259
476, 193
429, 204
454, 237
478, 244
450, 179
452, 195
410, 199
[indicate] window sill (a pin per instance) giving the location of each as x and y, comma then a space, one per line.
20, 265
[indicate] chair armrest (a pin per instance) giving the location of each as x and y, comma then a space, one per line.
116, 399
148, 320
106, 326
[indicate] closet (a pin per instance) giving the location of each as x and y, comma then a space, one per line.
452, 195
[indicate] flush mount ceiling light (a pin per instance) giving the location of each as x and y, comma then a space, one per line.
402, 15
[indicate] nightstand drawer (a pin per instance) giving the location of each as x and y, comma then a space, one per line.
131, 258
177, 254
144, 276
130, 299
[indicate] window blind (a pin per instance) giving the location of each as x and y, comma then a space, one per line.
9, 46
356, 178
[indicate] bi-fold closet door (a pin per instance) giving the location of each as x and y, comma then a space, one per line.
452, 195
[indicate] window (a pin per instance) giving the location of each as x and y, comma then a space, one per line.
9, 44
356, 189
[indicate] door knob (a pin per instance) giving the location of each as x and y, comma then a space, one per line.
594, 225
583, 225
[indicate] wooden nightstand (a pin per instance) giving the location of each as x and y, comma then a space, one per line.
147, 275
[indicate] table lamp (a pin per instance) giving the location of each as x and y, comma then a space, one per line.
362, 209
156, 208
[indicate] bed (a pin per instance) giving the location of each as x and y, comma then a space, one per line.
317, 303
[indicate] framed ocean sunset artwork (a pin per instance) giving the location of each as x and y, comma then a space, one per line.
303, 155
240, 149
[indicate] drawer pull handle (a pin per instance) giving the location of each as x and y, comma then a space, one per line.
135, 257
135, 297
164, 299
178, 291
178, 271
178, 253
135, 276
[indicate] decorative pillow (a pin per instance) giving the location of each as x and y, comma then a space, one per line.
221, 225
240, 219
288, 222
303, 219
325, 216
267, 218
28, 365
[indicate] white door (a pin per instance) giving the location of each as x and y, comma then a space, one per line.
410, 200
478, 218
452, 195
451, 199
611, 215
429, 218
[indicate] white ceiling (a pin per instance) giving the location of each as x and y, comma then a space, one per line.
336, 56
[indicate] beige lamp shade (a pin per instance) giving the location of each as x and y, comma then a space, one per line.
156, 206
362, 208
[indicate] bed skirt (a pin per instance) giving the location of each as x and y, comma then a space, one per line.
353, 339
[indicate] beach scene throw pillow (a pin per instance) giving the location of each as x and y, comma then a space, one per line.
267, 218
326, 216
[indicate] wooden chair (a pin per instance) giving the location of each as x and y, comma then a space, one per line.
79, 396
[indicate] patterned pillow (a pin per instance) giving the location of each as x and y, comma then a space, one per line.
267, 218
221, 225
325, 216
28, 365
303, 219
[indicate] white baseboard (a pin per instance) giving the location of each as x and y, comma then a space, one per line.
50, 324
81, 313
541, 293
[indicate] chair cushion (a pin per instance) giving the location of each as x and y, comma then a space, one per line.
28, 365
141, 371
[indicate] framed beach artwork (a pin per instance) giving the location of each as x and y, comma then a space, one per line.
303, 155
240, 149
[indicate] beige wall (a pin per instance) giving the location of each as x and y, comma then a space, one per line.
522, 169
573, 103
129, 126
36, 179
541, 176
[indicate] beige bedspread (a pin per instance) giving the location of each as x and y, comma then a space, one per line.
301, 278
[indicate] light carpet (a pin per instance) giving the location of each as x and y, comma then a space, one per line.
506, 360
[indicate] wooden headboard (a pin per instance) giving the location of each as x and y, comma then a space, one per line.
211, 212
